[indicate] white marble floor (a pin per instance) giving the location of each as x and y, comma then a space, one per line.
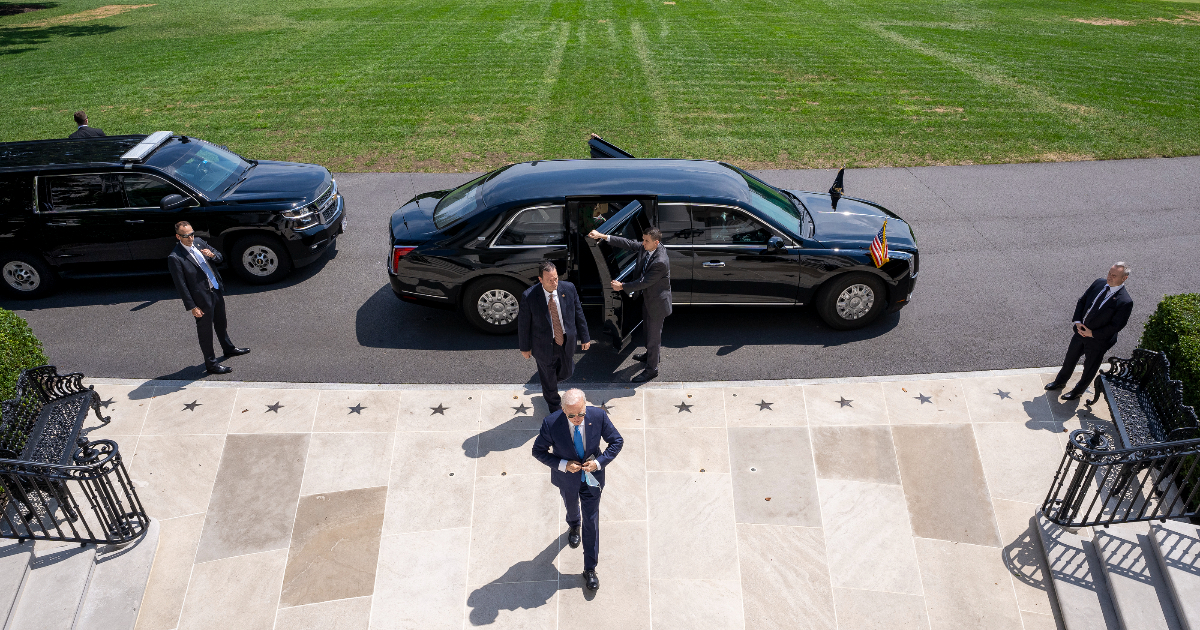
850, 505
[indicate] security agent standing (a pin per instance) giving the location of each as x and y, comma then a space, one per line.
569, 443
200, 286
1099, 315
653, 279
549, 321
84, 131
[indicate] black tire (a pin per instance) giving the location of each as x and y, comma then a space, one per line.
260, 259
491, 305
852, 289
26, 276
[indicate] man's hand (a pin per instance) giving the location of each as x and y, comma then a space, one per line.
573, 467
587, 345
598, 236
527, 354
1085, 331
197, 312
591, 466
208, 253
617, 286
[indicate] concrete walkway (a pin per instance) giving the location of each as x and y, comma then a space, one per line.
897, 502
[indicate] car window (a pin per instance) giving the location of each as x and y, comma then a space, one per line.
535, 227
463, 201
146, 191
206, 167
82, 192
675, 224
725, 226
594, 215
770, 202
631, 229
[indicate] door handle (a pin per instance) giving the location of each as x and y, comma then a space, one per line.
134, 221
714, 264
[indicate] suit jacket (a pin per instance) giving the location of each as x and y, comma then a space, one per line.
189, 278
1106, 321
555, 442
535, 332
652, 276
86, 132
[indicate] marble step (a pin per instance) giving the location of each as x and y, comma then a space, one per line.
1177, 546
54, 586
14, 564
1076, 578
1135, 578
114, 594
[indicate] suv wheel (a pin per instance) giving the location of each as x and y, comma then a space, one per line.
491, 305
261, 259
851, 301
25, 275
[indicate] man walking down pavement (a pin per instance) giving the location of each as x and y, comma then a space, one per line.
83, 130
569, 443
192, 264
653, 278
549, 321
1099, 315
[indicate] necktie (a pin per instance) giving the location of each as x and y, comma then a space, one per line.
583, 474
554, 321
1099, 301
578, 443
212, 279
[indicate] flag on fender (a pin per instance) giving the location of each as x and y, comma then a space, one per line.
879, 246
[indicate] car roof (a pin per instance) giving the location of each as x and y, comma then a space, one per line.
669, 180
16, 156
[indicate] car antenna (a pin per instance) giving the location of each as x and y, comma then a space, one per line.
836, 190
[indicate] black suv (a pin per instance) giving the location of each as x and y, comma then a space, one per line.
108, 206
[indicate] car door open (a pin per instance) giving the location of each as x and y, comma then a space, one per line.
622, 309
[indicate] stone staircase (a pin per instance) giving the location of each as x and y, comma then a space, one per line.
1135, 576
63, 586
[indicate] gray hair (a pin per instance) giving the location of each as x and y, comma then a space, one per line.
1124, 266
573, 397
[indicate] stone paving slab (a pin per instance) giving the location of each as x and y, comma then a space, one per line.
899, 502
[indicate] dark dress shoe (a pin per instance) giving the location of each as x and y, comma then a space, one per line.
641, 356
233, 352
644, 376
1071, 395
590, 580
1051, 386
573, 537
218, 369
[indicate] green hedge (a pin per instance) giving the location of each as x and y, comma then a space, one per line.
19, 350
1174, 328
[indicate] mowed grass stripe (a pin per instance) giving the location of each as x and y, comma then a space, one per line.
467, 85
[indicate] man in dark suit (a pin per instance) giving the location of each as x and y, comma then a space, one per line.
549, 321
652, 277
193, 268
1099, 315
84, 131
569, 443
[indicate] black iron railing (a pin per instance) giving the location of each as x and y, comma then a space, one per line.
91, 502
1097, 484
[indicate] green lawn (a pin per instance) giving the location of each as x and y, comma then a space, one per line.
442, 85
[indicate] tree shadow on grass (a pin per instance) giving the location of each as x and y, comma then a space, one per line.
17, 8
16, 39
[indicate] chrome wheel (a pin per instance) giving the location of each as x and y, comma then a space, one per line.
855, 301
21, 276
497, 307
260, 260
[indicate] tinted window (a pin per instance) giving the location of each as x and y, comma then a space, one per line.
83, 192
535, 226
144, 191
675, 224
770, 202
723, 226
631, 229
206, 167
462, 201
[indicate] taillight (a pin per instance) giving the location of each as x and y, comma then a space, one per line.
398, 252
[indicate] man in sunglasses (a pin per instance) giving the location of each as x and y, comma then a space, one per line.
569, 443
193, 268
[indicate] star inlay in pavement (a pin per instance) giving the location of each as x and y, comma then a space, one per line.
683, 406
765, 406
191, 406
521, 410
276, 407
105, 403
923, 398
844, 403
439, 409
1002, 394
356, 409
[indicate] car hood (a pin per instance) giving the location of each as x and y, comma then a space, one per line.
854, 222
413, 222
277, 181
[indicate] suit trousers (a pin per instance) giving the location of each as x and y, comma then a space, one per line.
586, 497
1093, 356
213, 318
653, 326
551, 372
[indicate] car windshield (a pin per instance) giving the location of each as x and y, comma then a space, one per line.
771, 202
206, 167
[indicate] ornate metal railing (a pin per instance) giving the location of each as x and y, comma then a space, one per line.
91, 502
1097, 484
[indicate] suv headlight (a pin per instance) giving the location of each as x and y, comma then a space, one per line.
303, 216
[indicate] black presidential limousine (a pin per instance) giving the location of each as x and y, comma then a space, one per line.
732, 239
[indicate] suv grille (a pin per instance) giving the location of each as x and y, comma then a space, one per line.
327, 206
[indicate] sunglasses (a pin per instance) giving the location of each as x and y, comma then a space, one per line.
572, 416
188, 235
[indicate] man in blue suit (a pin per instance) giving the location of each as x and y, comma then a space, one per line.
569, 443
549, 321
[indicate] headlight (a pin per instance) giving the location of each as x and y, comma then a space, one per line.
302, 217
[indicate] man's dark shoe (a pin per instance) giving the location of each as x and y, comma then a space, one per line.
1072, 395
573, 537
1051, 386
644, 376
218, 369
641, 356
590, 580
233, 352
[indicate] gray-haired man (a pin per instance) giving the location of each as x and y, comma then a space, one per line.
1099, 315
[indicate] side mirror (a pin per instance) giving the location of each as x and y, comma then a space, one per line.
173, 202
774, 244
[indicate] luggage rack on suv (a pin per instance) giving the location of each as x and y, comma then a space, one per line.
144, 148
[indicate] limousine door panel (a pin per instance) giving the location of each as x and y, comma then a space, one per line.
622, 309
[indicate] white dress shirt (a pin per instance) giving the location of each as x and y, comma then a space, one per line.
1108, 292
562, 463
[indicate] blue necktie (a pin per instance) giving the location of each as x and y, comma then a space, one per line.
212, 279
585, 476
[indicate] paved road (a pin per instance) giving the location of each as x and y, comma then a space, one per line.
1005, 252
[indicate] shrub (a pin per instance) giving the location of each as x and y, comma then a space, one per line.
1174, 328
19, 350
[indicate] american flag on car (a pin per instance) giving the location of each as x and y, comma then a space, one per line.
879, 246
